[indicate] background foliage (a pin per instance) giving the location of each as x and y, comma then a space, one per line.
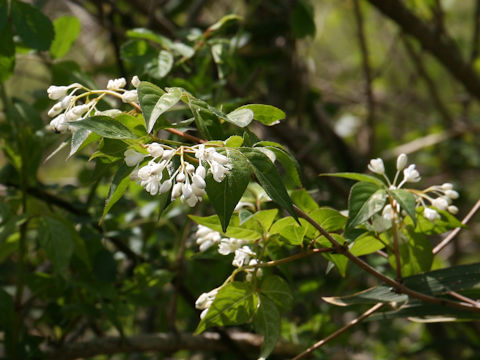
356, 80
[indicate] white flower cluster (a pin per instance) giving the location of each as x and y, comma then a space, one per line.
244, 256
186, 182
68, 108
438, 196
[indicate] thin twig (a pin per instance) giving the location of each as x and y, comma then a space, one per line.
339, 331
370, 141
454, 232
368, 268
463, 298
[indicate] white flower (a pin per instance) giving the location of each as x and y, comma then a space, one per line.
57, 92
165, 187
155, 150
376, 166
401, 162
218, 171
135, 81
411, 174
430, 214
452, 209
59, 123
201, 171
116, 84
387, 212
205, 300
130, 96
242, 256
132, 157
198, 181
176, 191
452, 194
440, 203
229, 245
56, 109
206, 237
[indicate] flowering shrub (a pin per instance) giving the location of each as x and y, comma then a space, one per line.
164, 148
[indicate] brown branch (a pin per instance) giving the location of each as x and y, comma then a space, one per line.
168, 343
431, 87
368, 268
442, 47
464, 298
454, 232
369, 140
339, 331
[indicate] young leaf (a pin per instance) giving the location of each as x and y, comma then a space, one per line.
164, 103
105, 126
289, 229
268, 176
119, 185
142, 33
67, 29
165, 62
225, 195
407, 202
303, 200
34, 28
366, 244
266, 114
264, 218
222, 22
148, 96
330, 219
365, 200
267, 322
78, 137
240, 117
234, 141
234, 304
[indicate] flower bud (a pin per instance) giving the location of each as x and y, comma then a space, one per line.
130, 96
132, 157
187, 191
201, 171
135, 81
57, 92
165, 187
452, 194
376, 166
430, 214
401, 162
177, 190
190, 168
155, 149
452, 209
198, 181
180, 177
447, 186
116, 84
411, 174
440, 203
55, 110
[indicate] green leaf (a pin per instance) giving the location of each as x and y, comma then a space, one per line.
234, 304
328, 218
163, 104
105, 126
365, 200
142, 33
7, 52
268, 176
446, 222
277, 290
206, 121
119, 185
264, 218
366, 244
34, 28
165, 62
3, 15
267, 322
225, 195
234, 229
303, 200
78, 138
370, 296
240, 117
67, 29
302, 19
266, 114
182, 49
358, 177
289, 229
220, 23
148, 96
56, 238
234, 141
406, 200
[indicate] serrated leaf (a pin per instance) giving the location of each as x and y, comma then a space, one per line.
267, 322
165, 62
119, 185
33, 27
266, 114
105, 126
268, 176
240, 117
226, 194
67, 29
365, 200
407, 202
234, 304
358, 177
277, 290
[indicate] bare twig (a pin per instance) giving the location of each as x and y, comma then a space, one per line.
339, 331
167, 343
368, 268
463, 298
370, 130
442, 48
454, 232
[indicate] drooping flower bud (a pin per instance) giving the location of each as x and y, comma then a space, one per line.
155, 149
452, 194
430, 214
135, 81
411, 174
132, 157
376, 166
57, 92
130, 96
452, 209
440, 203
116, 84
